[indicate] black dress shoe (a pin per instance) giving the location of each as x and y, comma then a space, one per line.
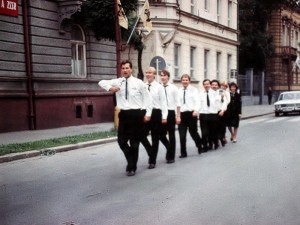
170, 161
182, 156
130, 173
151, 166
200, 150
223, 143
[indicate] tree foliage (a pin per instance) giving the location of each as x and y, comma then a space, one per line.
99, 16
255, 42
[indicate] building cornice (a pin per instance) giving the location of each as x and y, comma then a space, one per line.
66, 8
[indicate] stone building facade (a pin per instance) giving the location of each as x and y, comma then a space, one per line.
49, 67
197, 37
282, 74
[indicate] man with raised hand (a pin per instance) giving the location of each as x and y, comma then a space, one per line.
131, 96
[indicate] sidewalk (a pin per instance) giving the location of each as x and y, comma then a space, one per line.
35, 135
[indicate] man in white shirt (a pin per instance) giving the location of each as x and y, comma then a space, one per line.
159, 114
189, 106
210, 107
131, 96
173, 105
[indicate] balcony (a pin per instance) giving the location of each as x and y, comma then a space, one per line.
287, 51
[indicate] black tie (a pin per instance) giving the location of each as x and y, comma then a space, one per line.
184, 96
149, 87
126, 89
207, 99
165, 86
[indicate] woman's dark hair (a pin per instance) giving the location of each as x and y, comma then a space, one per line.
233, 84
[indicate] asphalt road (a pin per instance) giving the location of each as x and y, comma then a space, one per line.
254, 181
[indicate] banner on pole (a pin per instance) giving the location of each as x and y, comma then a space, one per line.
145, 16
123, 21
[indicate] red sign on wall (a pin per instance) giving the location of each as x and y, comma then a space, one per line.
9, 7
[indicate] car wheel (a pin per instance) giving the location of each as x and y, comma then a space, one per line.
276, 114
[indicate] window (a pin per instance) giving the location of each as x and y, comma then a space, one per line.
287, 40
228, 66
229, 13
206, 5
206, 55
192, 61
176, 60
193, 7
90, 110
78, 62
292, 38
219, 11
283, 37
78, 111
296, 39
218, 65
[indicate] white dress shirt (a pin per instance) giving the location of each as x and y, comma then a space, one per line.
158, 97
215, 100
189, 101
137, 94
172, 94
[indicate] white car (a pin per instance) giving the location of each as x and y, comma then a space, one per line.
288, 102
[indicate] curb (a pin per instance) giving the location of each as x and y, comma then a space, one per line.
65, 148
250, 117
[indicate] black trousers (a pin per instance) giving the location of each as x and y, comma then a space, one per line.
155, 128
169, 129
209, 124
129, 135
221, 127
188, 122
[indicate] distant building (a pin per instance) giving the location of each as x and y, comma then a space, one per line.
197, 37
282, 74
50, 66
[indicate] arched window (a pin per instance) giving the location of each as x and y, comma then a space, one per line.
78, 48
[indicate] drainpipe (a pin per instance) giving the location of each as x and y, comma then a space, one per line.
31, 115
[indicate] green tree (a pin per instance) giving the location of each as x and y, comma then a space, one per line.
99, 16
256, 44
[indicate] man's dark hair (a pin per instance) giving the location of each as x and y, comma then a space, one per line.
165, 72
125, 62
215, 81
185, 76
206, 80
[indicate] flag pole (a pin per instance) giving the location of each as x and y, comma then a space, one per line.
118, 39
137, 20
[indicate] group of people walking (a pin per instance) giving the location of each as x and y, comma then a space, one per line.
155, 108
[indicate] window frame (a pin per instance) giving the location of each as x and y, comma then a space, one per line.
177, 60
75, 65
192, 61
205, 62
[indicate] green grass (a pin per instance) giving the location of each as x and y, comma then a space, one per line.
49, 143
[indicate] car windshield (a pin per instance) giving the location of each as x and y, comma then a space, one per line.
288, 96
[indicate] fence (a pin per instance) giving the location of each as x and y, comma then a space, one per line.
252, 87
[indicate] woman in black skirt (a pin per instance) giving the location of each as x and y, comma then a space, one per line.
234, 111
